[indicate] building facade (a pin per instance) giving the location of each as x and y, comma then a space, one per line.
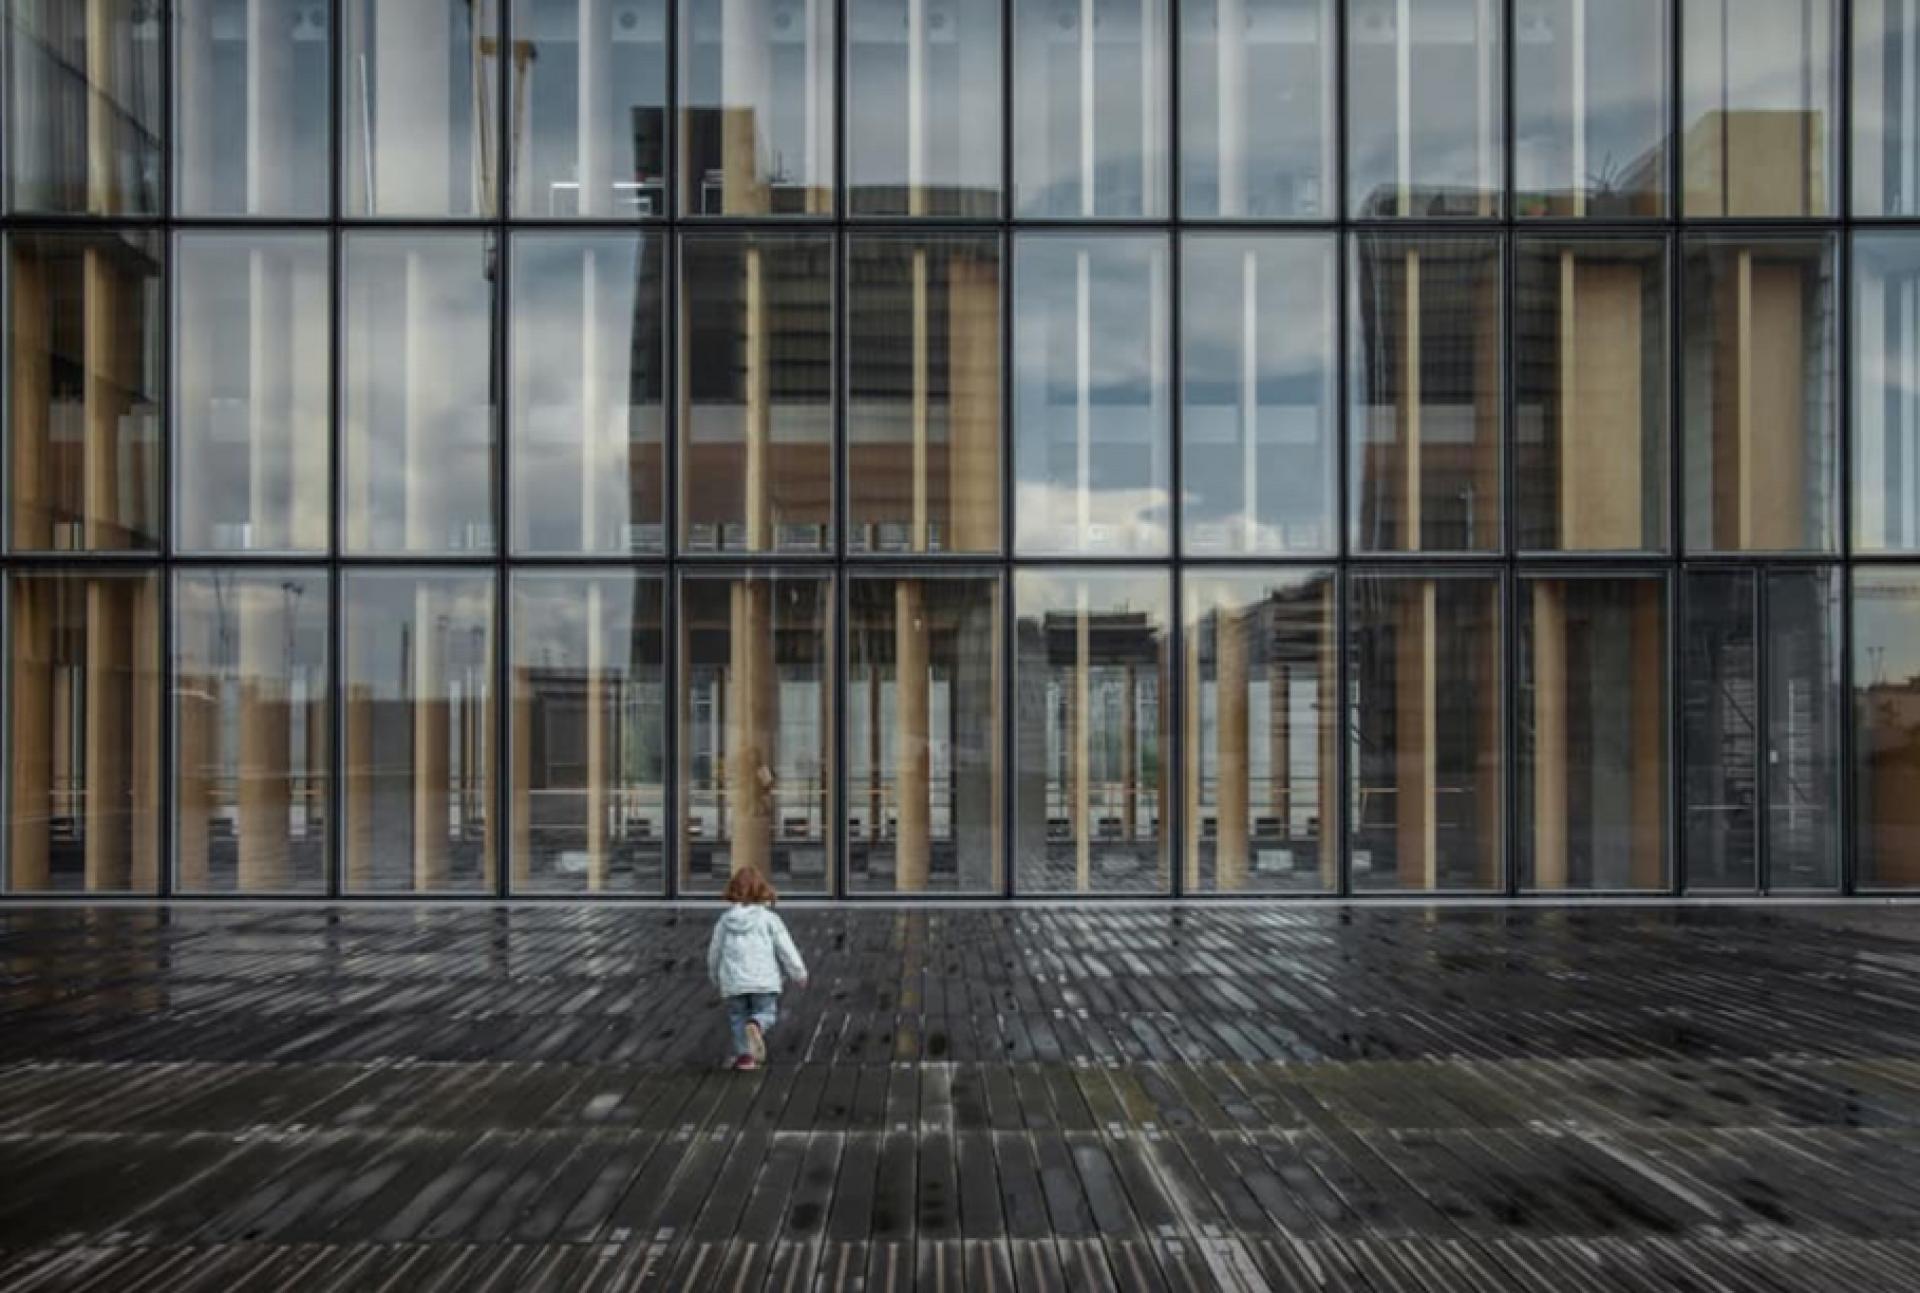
961, 448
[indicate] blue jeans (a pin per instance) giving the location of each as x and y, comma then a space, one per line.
762, 1008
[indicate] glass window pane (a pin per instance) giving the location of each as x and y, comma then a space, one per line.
1262, 689
590, 87
756, 395
1762, 450
924, 748
1886, 706
1256, 109
252, 342
1886, 391
420, 731
756, 730
1425, 731
1090, 393
1886, 108
253, 92
1590, 360
85, 369
84, 111
588, 747
1259, 401
1592, 774
588, 434
1757, 138
419, 392
418, 124
83, 757
923, 413
1090, 776
1590, 102
756, 116
1425, 415
1423, 107
251, 757
1803, 729
1090, 108
923, 108
1720, 729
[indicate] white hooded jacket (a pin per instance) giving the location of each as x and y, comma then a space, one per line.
750, 948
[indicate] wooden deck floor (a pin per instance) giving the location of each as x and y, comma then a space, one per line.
1376, 1099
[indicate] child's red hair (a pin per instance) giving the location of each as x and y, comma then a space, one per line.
749, 886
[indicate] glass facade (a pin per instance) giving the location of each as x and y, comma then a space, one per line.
985, 449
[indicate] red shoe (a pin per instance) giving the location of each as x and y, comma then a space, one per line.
756, 1043
745, 1064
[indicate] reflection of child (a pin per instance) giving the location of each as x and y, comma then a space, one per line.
746, 958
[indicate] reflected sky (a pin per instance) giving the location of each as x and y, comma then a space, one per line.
589, 340
418, 391
1256, 109
251, 403
1274, 494
1117, 166
959, 166
414, 136
1090, 393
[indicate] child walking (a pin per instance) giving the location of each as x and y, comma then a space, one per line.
749, 951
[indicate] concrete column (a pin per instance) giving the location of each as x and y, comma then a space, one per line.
973, 368
105, 92
1231, 53
744, 72
876, 764
913, 840
921, 403
595, 163
105, 401
917, 115
194, 108
1081, 746
196, 742
1403, 103
1759, 408
597, 451
1330, 714
422, 335
270, 390
1083, 395
759, 411
1601, 413
31, 753
271, 161
145, 687
1550, 746
1280, 744
1129, 753
1410, 397
432, 733
362, 780
1233, 752
108, 824
1649, 736
598, 695
520, 835
32, 393
1191, 726
1087, 66
265, 773
413, 85
751, 753
1417, 709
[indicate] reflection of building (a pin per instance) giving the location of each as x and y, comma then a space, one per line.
1271, 446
